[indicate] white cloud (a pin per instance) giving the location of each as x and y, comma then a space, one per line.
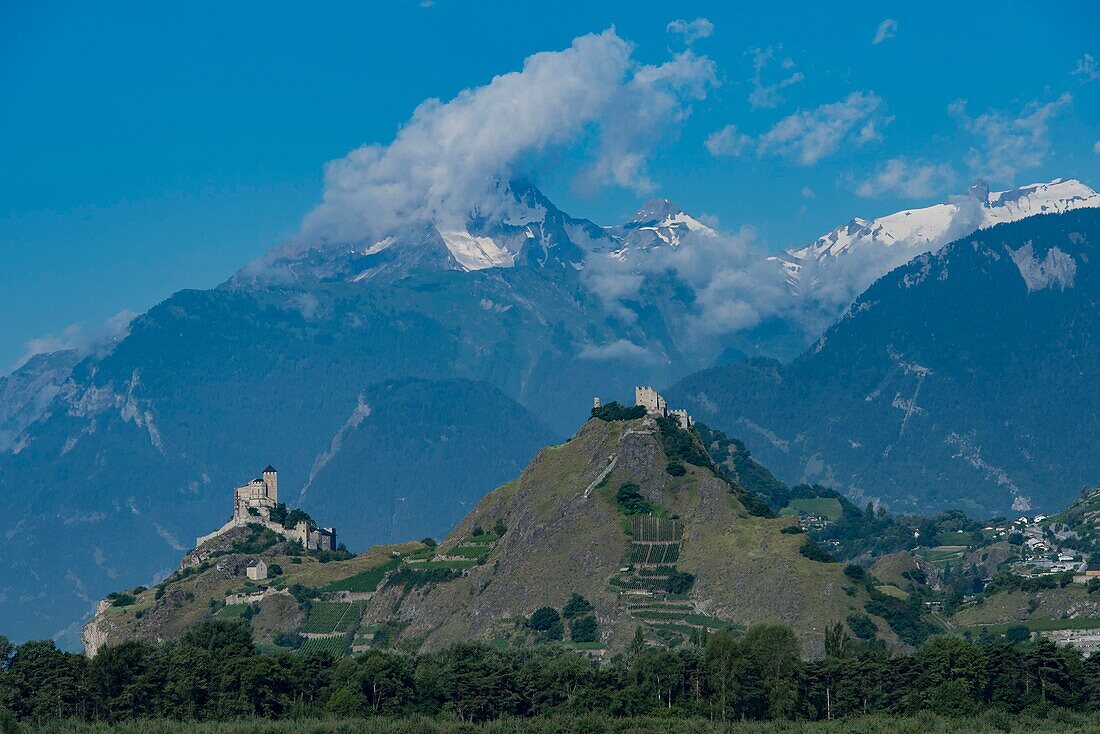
691, 32
620, 349
1096, 147
734, 287
1087, 69
1009, 144
80, 337
887, 29
808, 136
727, 141
808, 193
444, 160
911, 179
767, 96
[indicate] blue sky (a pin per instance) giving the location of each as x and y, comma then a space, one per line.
156, 146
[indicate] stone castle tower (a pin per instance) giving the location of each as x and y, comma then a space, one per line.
271, 479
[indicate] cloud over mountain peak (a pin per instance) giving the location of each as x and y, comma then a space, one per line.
444, 160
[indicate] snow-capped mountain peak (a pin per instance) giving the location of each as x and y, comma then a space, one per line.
845, 261
658, 224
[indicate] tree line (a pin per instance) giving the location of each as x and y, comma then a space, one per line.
214, 672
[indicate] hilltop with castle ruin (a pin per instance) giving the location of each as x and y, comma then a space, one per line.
254, 504
655, 405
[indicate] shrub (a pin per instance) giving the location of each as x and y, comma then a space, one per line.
584, 629
675, 469
855, 572
815, 552
615, 411
681, 444
274, 570
430, 542
292, 640
679, 582
303, 594
296, 516
477, 531
500, 528
791, 530
862, 626
121, 599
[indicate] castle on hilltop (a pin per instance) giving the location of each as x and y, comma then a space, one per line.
654, 404
254, 503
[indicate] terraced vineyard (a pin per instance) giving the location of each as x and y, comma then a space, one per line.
334, 645
332, 617
655, 546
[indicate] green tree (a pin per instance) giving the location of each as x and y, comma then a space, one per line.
775, 652
630, 500
584, 629
576, 606
543, 618
221, 639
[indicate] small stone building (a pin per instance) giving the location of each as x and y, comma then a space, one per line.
257, 570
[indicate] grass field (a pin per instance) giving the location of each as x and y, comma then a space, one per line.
1058, 722
365, 581
231, 611
824, 506
893, 591
470, 551
957, 539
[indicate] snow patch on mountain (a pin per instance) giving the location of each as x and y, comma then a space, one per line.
1057, 269
658, 224
476, 253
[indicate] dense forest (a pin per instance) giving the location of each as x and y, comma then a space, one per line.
214, 672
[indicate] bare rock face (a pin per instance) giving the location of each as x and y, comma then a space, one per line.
97, 632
